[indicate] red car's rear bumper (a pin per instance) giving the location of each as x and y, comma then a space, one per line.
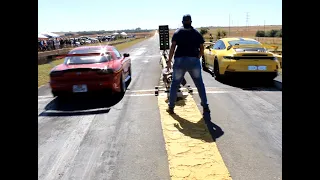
67, 87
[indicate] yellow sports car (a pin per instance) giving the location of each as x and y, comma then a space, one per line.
239, 56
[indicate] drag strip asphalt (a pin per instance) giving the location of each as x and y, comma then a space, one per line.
131, 136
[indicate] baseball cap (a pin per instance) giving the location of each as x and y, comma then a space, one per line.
186, 17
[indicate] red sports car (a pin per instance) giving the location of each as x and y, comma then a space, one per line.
90, 69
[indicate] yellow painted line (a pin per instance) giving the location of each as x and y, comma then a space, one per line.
192, 154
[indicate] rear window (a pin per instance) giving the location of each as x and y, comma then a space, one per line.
86, 59
242, 42
88, 50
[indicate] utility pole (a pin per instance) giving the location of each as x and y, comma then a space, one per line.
238, 25
264, 26
247, 21
229, 25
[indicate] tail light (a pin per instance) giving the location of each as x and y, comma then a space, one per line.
56, 74
231, 57
252, 57
228, 57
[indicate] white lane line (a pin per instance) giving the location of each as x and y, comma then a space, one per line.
183, 93
144, 90
80, 111
139, 94
41, 100
43, 97
219, 90
216, 90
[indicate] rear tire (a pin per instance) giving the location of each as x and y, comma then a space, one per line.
204, 64
216, 70
123, 85
130, 74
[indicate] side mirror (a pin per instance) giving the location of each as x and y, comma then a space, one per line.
229, 47
126, 54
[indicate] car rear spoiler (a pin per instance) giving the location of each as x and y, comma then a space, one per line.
274, 47
84, 54
245, 46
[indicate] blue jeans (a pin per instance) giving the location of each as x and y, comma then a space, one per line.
180, 67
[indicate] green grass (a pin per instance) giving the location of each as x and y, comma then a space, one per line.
44, 69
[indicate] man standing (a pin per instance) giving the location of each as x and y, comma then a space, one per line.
187, 58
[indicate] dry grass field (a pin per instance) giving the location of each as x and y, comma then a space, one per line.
243, 31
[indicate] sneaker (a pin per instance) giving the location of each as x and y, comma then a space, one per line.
170, 110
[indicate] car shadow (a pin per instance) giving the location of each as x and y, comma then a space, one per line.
252, 84
81, 105
249, 83
198, 130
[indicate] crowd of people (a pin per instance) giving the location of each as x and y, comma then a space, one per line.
59, 43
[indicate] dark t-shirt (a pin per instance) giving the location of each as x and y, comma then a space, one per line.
188, 42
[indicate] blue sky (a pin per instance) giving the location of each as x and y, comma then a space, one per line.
85, 15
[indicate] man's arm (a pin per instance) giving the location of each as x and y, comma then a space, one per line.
173, 45
171, 52
201, 41
201, 51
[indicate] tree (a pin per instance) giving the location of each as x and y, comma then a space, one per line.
224, 33
279, 33
260, 34
272, 33
221, 33
203, 31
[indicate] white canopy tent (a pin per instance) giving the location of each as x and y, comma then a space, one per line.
50, 34
40, 36
115, 33
123, 33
